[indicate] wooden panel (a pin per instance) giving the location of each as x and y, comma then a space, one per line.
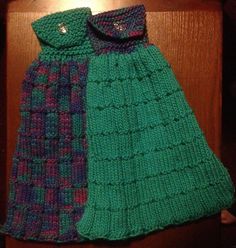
103, 5
2, 111
190, 40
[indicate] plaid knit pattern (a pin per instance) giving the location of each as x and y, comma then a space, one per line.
48, 187
48, 183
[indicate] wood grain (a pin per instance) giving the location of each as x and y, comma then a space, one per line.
103, 5
190, 40
2, 110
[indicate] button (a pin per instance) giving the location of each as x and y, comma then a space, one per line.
62, 28
119, 26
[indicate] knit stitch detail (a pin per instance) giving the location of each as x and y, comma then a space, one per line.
100, 100
48, 183
149, 164
120, 24
120, 30
67, 45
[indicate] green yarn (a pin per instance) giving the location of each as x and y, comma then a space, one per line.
149, 164
38, 97
77, 125
74, 44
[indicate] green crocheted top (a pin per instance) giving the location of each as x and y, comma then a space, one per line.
63, 35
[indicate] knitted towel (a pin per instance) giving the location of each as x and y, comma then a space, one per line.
149, 164
48, 185
100, 95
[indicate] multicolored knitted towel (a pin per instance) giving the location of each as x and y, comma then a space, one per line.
48, 185
149, 164
103, 114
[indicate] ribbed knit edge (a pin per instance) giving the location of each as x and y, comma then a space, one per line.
63, 58
78, 239
191, 197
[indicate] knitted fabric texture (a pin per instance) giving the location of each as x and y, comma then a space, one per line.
48, 187
103, 114
149, 164
118, 30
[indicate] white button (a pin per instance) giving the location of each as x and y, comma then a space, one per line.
119, 26
62, 28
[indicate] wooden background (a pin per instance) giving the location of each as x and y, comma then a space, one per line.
189, 33
2, 111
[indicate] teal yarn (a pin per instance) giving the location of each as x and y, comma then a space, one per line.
107, 147
149, 164
48, 181
73, 45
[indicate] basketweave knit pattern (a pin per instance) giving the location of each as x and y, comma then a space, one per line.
48, 186
149, 164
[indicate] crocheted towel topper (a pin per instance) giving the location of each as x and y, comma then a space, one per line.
48, 187
149, 164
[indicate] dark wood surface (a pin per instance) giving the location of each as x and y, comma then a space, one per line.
2, 110
102, 5
189, 35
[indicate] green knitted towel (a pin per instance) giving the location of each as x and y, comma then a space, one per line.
149, 164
